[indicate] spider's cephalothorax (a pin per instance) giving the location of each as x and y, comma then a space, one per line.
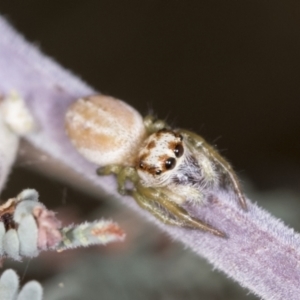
162, 151
173, 167
168, 160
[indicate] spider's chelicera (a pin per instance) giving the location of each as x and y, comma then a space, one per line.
173, 167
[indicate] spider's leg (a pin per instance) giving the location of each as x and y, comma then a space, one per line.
155, 209
127, 173
200, 143
153, 125
109, 169
168, 211
122, 173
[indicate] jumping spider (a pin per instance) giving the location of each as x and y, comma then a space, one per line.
172, 167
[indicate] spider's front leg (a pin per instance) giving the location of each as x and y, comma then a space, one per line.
153, 125
158, 204
155, 200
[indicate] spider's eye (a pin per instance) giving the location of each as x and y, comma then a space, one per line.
158, 172
170, 163
178, 150
141, 165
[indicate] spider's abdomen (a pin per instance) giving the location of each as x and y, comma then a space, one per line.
105, 130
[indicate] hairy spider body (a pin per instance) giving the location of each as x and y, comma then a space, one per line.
167, 167
173, 167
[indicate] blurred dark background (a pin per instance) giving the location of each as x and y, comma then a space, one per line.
229, 70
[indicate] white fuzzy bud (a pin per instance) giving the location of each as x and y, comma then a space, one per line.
31, 290
28, 194
16, 115
25, 208
2, 233
15, 120
9, 143
28, 236
9, 284
11, 244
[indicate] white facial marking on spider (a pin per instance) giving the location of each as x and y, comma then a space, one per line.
162, 152
171, 166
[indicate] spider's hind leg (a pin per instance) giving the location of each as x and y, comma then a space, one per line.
123, 174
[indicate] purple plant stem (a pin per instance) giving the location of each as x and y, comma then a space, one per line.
261, 253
